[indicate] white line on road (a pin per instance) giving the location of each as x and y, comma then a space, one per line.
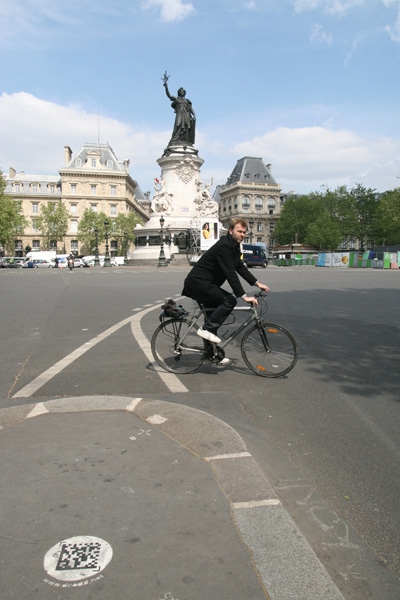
170, 380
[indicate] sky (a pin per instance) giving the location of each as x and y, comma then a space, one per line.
310, 86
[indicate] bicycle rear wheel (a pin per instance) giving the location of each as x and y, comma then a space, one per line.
172, 354
269, 351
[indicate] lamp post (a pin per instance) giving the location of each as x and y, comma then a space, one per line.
96, 250
251, 223
125, 246
107, 262
161, 259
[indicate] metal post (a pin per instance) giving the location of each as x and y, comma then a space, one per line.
251, 223
96, 250
107, 262
161, 259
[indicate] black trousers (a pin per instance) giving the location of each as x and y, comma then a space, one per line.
211, 297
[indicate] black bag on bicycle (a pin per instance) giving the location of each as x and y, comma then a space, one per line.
172, 310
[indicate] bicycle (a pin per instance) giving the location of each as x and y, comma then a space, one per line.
269, 350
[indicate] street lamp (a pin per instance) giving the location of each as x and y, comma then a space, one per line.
107, 262
161, 259
96, 250
125, 246
251, 223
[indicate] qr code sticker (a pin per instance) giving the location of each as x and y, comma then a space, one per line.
79, 556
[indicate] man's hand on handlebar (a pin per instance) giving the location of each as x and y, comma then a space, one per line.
253, 299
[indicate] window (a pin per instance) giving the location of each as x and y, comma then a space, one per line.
74, 245
74, 226
35, 188
35, 208
34, 225
113, 210
259, 240
52, 188
271, 202
258, 203
259, 226
17, 188
74, 209
246, 202
93, 162
78, 162
93, 189
36, 244
18, 244
113, 190
93, 208
53, 244
73, 188
109, 164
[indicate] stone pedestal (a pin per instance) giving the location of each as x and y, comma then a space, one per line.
179, 198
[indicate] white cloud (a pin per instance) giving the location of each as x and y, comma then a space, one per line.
331, 6
319, 36
394, 30
171, 10
311, 156
35, 131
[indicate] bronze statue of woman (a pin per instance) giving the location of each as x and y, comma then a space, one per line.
185, 120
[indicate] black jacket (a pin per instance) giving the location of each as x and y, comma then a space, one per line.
222, 262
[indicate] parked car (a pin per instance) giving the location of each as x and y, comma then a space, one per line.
37, 264
254, 256
11, 262
78, 262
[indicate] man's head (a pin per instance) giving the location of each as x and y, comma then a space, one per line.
181, 92
238, 229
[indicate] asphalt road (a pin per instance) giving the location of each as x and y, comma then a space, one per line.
326, 436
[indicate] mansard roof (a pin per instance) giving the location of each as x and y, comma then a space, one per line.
251, 170
104, 153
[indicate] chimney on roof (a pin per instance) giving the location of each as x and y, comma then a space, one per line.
67, 154
13, 172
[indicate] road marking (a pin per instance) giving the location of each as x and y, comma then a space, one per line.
170, 380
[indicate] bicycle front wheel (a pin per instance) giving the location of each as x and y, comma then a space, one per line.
176, 348
269, 350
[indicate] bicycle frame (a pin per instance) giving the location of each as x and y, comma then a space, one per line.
253, 317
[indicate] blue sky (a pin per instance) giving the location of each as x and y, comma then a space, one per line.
311, 86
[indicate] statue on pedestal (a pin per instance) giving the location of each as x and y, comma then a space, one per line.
185, 120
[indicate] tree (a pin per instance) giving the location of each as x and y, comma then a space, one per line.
296, 216
12, 221
387, 219
123, 228
52, 223
324, 232
90, 221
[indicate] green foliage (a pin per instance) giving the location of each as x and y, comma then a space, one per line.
52, 222
90, 221
327, 219
387, 221
121, 225
12, 221
324, 232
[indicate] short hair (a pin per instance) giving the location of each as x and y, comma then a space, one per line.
235, 220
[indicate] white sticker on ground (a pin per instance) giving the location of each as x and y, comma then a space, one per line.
77, 558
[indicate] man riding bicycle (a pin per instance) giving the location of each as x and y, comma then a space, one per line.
222, 262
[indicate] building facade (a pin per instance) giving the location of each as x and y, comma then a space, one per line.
92, 179
252, 193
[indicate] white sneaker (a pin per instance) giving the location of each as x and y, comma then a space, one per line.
225, 361
207, 335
